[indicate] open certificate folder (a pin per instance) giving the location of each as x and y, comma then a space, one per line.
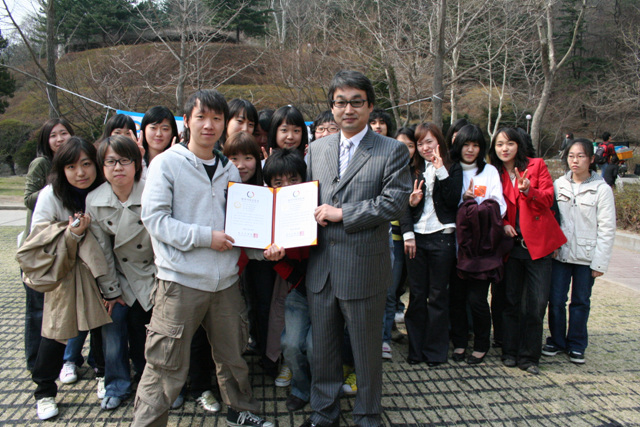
259, 216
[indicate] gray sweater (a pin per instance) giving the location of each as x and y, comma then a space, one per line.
180, 209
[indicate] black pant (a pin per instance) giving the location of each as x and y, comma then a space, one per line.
200, 363
527, 294
427, 317
47, 367
32, 325
475, 293
259, 280
498, 302
137, 320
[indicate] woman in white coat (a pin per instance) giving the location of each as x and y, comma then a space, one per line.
115, 210
588, 220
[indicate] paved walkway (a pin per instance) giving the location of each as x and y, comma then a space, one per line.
604, 391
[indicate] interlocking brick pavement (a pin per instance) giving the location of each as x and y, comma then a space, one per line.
604, 391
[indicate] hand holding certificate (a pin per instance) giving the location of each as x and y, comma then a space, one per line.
260, 216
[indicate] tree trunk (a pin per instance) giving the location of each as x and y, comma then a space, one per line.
52, 92
438, 69
536, 122
182, 69
392, 96
454, 102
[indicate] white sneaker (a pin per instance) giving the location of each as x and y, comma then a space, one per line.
208, 402
284, 378
47, 408
386, 350
399, 318
68, 373
101, 391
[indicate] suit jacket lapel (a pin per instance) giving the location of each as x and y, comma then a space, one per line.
360, 157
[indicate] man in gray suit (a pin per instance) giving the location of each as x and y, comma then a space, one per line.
364, 183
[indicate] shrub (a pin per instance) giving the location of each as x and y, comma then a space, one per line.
628, 208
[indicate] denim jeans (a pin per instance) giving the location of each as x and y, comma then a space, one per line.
32, 325
392, 302
527, 284
579, 278
73, 350
115, 340
296, 343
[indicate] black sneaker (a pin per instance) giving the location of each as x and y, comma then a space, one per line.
550, 350
245, 418
576, 357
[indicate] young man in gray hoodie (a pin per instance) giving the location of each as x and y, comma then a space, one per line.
183, 208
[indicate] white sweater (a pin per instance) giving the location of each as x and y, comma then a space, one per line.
487, 183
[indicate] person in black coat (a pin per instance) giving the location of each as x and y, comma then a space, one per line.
429, 234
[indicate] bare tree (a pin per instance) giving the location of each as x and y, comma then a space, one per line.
49, 74
195, 52
550, 65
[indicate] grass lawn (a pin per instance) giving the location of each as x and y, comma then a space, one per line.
12, 186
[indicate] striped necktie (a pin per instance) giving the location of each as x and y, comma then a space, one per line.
345, 147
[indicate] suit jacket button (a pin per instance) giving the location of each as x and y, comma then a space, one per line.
109, 222
537, 218
332, 243
140, 221
124, 260
335, 200
139, 246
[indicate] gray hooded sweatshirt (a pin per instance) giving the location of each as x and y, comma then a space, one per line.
180, 209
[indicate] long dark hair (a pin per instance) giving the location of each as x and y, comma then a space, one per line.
72, 198
44, 149
291, 116
470, 133
153, 116
421, 133
521, 160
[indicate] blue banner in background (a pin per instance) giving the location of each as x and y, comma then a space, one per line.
137, 118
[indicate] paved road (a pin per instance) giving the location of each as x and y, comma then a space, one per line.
604, 391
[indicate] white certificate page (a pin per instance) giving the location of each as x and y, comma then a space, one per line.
295, 224
249, 215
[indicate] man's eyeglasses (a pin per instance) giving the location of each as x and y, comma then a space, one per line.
112, 162
355, 103
330, 129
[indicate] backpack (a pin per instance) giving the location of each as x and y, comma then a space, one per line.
601, 154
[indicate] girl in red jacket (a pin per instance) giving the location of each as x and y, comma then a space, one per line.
528, 192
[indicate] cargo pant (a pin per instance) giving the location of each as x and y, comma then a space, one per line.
177, 313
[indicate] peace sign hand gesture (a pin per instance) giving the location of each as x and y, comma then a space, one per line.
523, 182
139, 141
436, 160
469, 193
417, 195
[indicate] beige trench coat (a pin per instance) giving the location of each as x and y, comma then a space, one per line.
65, 268
125, 244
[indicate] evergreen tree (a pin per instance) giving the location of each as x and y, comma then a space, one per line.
7, 82
251, 16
